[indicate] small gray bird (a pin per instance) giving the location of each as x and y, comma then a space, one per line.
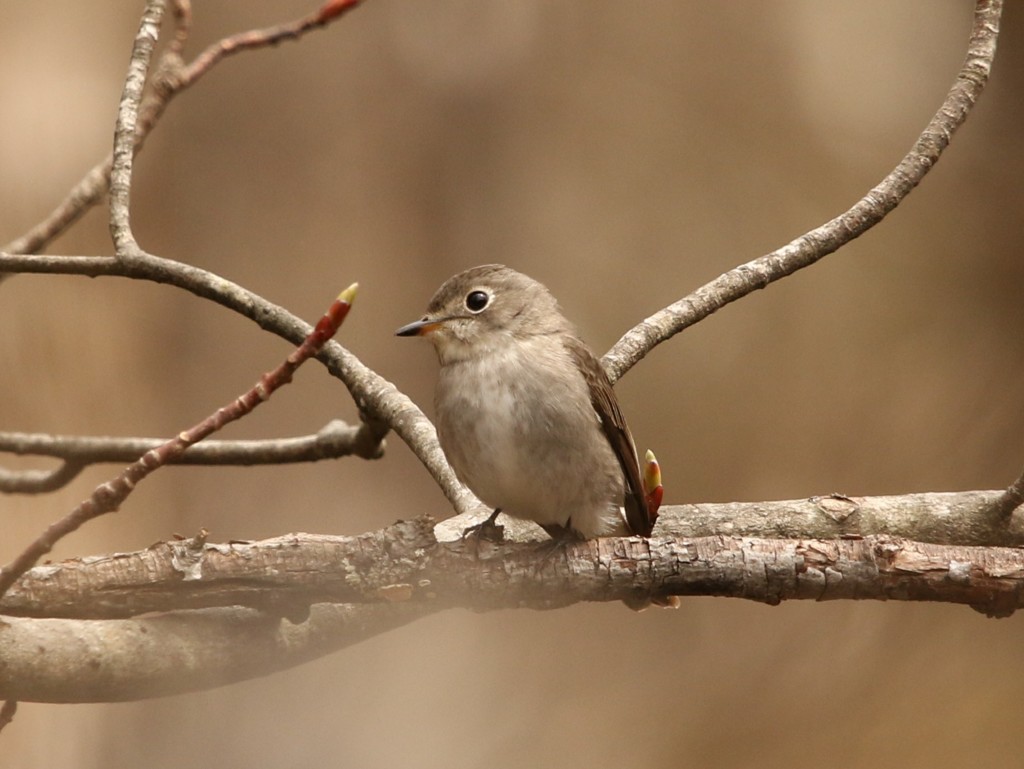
525, 412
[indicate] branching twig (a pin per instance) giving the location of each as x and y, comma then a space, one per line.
261, 38
336, 439
829, 237
108, 496
173, 77
126, 128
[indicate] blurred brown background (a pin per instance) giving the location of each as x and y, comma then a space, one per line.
624, 154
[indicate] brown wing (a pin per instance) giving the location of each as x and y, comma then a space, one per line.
602, 396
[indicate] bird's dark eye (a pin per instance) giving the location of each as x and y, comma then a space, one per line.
476, 301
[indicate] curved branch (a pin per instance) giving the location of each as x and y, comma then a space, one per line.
829, 237
39, 481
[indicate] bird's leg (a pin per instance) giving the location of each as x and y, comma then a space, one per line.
488, 529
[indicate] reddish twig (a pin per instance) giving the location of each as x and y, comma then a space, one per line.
261, 38
108, 496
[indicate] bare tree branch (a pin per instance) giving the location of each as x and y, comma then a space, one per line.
277, 603
829, 237
399, 574
283, 575
45, 660
386, 407
946, 518
336, 439
125, 245
286, 574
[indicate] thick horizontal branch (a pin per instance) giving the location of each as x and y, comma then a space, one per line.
307, 595
286, 574
945, 518
58, 660
283, 575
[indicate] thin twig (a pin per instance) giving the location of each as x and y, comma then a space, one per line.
829, 237
336, 439
39, 481
124, 130
182, 10
108, 496
261, 38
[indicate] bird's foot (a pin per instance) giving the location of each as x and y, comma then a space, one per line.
487, 530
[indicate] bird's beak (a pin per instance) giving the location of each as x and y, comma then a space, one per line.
419, 327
